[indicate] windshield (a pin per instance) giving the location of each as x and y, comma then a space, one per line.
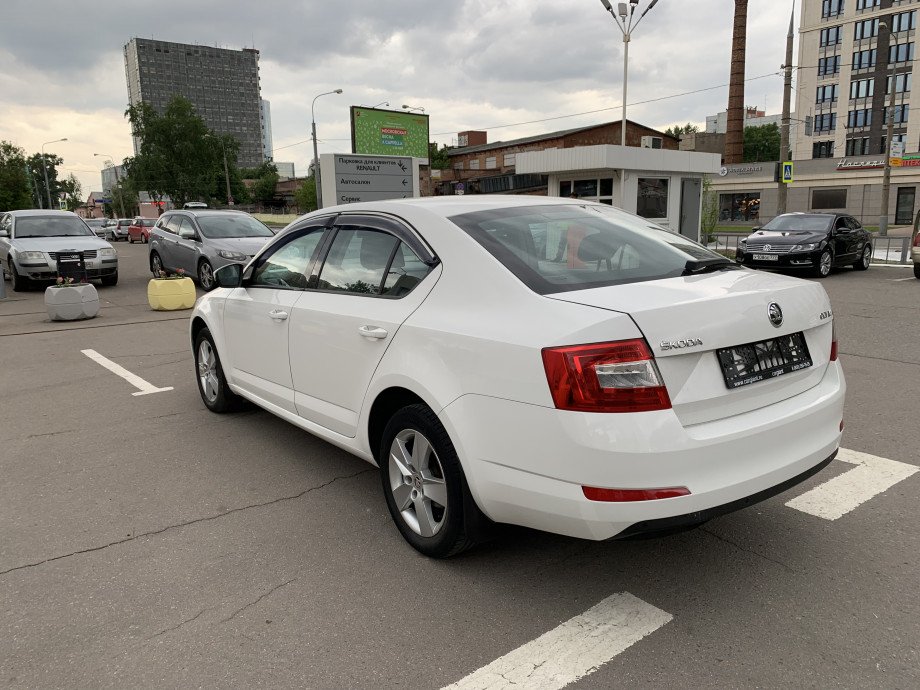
799, 223
221, 226
561, 248
51, 226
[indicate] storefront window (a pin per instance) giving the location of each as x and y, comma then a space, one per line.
904, 213
822, 199
590, 190
739, 207
652, 197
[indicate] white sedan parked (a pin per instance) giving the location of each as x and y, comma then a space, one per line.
544, 362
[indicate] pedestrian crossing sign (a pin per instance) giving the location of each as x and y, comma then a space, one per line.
787, 172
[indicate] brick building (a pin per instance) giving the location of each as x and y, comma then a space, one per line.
490, 168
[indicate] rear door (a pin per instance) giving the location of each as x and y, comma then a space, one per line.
375, 273
165, 240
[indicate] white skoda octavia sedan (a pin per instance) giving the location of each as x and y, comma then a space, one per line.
543, 362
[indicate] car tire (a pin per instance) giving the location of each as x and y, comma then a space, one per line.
110, 281
416, 455
865, 259
212, 385
130, 239
156, 264
143, 239
17, 282
917, 270
824, 264
205, 275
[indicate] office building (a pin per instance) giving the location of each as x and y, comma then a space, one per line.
265, 115
222, 84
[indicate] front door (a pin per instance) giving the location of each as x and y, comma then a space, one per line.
370, 282
690, 201
257, 318
187, 247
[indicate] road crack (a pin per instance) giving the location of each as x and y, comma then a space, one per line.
746, 550
256, 601
179, 625
180, 525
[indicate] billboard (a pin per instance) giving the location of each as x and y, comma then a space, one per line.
388, 132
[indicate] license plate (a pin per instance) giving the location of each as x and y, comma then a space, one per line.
765, 257
746, 364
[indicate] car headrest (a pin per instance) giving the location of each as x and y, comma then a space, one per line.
376, 248
597, 247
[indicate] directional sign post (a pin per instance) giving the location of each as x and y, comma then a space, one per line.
352, 178
787, 176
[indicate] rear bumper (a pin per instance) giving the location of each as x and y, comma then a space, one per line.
526, 464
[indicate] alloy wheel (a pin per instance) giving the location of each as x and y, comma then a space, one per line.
825, 265
867, 256
417, 483
156, 264
207, 371
205, 275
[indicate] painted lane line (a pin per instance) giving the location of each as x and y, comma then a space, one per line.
144, 387
571, 650
900, 280
838, 496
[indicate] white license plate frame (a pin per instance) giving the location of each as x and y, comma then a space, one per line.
765, 257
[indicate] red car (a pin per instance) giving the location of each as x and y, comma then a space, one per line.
139, 230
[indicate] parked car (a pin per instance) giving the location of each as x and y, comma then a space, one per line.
139, 230
120, 228
201, 241
30, 241
194, 204
551, 363
816, 242
915, 255
97, 225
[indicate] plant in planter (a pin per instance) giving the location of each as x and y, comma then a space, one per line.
171, 290
67, 300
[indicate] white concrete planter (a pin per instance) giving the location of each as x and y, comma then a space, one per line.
71, 303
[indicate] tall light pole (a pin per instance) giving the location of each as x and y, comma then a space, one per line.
45, 167
625, 20
316, 170
386, 103
121, 196
886, 175
782, 192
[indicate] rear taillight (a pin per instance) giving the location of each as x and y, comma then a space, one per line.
833, 341
624, 495
605, 377
917, 240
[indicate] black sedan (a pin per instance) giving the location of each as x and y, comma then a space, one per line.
816, 242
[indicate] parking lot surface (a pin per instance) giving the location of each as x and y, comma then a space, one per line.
145, 542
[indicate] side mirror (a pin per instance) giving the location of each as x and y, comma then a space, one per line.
4, 233
187, 234
229, 276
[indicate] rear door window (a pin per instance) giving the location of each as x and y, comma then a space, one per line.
357, 261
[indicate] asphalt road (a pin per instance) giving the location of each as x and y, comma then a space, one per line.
145, 542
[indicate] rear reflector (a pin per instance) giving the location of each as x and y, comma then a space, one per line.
620, 376
833, 357
624, 495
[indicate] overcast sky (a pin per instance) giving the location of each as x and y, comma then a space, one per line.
497, 65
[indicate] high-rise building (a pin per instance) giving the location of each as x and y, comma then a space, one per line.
265, 112
222, 84
852, 54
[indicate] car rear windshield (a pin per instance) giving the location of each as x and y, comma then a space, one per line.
147, 222
51, 226
224, 226
562, 248
797, 223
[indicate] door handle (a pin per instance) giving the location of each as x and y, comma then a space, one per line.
278, 315
372, 332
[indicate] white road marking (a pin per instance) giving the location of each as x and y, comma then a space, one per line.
900, 280
571, 650
838, 496
144, 387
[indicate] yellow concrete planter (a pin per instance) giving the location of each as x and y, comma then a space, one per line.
167, 295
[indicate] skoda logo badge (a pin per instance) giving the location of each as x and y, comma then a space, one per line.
775, 314
767, 247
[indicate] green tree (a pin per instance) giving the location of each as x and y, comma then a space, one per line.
761, 143
265, 180
438, 156
178, 155
124, 196
73, 191
305, 196
14, 180
677, 130
37, 173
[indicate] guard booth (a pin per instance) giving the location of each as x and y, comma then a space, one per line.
72, 264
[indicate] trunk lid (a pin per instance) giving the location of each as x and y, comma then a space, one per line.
686, 320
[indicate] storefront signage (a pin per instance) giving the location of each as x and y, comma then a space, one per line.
743, 170
844, 164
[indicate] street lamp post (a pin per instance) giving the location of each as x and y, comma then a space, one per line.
409, 109
316, 170
623, 18
886, 175
121, 196
45, 167
223, 148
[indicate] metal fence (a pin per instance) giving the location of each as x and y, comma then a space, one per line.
885, 250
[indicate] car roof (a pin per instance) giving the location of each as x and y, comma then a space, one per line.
198, 212
41, 212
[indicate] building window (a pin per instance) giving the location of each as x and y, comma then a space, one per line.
491, 163
826, 94
509, 160
904, 21
901, 52
822, 149
904, 209
867, 28
858, 146
831, 8
831, 36
652, 197
592, 190
867, 4
828, 65
458, 165
900, 114
743, 206
864, 59
859, 118
862, 88
828, 198
474, 164
901, 83
826, 122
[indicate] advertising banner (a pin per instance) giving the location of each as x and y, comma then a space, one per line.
388, 132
